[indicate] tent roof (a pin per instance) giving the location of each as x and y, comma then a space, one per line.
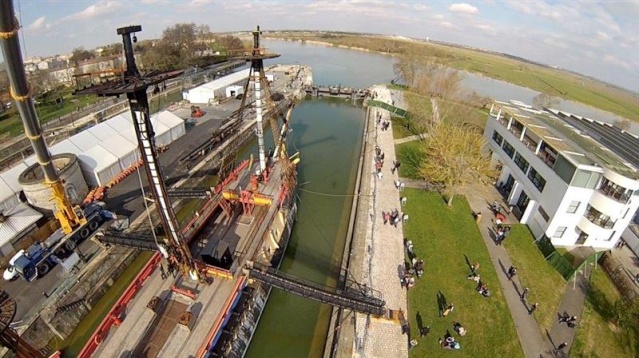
5, 191
66, 146
169, 119
98, 158
224, 81
18, 219
118, 146
11, 176
84, 140
120, 123
102, 131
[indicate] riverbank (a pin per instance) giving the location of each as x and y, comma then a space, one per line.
374, 252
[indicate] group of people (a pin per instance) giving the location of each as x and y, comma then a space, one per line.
379, 162
501, 232
570, 321
512, 271
481, 287
393, 217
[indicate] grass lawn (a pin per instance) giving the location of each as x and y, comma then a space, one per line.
448, 240
409, 154
596, 335
545, 283
399, 128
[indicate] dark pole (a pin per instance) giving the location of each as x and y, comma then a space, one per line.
131, 68
20, 89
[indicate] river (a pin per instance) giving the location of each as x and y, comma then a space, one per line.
328, 134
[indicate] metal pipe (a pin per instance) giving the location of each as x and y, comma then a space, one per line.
20, 89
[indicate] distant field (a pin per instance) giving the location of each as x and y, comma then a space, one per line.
543, 79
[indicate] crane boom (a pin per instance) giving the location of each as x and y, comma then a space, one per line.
68, 215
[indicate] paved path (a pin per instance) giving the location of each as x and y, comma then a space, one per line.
384, 251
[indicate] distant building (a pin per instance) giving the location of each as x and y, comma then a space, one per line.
559, 179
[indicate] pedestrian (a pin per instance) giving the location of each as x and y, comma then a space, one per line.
424, 331
382, 156
524, 293
448, 310
162, 272
405, 218
401, 186
561, 346
563, 318
474, 267
533, 308
404, 200
385, 217
397, 184
512, 271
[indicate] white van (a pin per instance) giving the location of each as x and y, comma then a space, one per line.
10, 273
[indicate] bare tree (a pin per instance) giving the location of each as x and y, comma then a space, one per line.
408, 66
454, 156
544, 100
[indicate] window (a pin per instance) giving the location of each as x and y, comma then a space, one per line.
537, 180
585, 179
564, 169
598, 218
612, 235
523, 201
560, 231
508, 149
615, 191
543, 213
626, 214
497, 138
572, 208
521, 163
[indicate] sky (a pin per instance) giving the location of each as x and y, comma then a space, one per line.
599, 39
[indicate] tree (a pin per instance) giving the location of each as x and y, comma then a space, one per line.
408, 66
229, 42
626, 313
454, 156
544, 100
79, 54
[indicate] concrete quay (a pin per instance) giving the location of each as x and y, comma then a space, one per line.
376, 251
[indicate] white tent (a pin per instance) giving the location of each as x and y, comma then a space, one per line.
10, 188
175, 123
11, 176
66, 146
99, 166
102, 131
162, 131
126, 152
84, 140
215, 88
232, 91
120, 123
8, 199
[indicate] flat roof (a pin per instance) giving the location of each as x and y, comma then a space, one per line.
570, 137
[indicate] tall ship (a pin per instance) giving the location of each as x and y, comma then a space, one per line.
203, 304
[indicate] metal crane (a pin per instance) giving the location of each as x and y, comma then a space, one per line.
135, 85
69, 216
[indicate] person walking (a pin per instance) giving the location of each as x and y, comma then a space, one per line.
533, 308
512, 271
561, 346
524, 293
162, 272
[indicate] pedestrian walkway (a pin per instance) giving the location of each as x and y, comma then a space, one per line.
384, 248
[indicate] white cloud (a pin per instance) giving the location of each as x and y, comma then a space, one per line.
37, 24
446, 24
463, 8
96, 10
617, 62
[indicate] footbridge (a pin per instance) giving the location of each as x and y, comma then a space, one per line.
392, 109
368, 301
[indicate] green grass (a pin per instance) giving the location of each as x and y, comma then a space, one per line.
596, 335
76, 341
545, 283
448, 239
409, 154
399, 128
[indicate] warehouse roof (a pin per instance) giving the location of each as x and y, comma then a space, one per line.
98, 158
84, 140
17, 220
225, 81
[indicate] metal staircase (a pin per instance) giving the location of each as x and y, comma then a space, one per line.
369, 302
137, 241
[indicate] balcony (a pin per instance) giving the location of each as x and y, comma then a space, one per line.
548, 159
615, 191
529, 143
598, 218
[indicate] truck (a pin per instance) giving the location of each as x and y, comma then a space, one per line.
37, 260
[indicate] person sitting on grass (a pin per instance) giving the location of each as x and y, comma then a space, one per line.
459, 328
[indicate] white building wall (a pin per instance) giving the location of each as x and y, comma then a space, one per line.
557, 196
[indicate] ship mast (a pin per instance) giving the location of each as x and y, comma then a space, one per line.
135, 87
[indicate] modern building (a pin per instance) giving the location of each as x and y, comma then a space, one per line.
559, 177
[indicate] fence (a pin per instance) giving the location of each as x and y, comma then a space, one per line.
392, 109
556, 260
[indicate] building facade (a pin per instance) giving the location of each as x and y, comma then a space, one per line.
558, 180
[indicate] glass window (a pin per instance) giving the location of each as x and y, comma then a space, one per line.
497, 138
598, 218
521, 163
508, 149
537, 179
572, 208
564, 169
560, 231
615, 191
585, 179
543, 213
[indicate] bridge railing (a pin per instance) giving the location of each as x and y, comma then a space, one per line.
394, 110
